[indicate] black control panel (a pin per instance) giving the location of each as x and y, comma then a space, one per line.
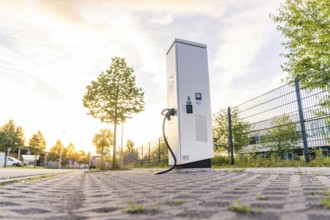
189, 109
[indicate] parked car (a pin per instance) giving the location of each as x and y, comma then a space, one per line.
92, 162
11, 161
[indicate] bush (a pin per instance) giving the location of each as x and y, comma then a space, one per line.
219, 160
271, 160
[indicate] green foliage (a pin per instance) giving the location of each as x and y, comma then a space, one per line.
261, 197
129, 145
68, 153
135, 209
11, 136
318, 160
103, 140
240, 208
240, 131
219, 160
37, 143
159, 149
177, 202
103, 164
325, 202
305, 24
114, 96
55, 151
238, 170
283, 135
326, 134
81, 157
273, 159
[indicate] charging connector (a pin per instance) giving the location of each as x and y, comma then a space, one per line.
167, 113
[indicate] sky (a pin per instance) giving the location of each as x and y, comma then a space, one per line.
51, 50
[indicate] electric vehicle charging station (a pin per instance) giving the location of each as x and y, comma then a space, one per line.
188, 97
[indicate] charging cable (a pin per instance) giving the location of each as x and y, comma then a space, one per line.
167, 115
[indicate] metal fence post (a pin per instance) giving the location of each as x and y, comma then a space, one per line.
230, 136
302, 120
142, 155
149, 154
158, 150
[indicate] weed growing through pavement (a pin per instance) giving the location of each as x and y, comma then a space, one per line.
238, 170
154, 207
325, 202
135, 209
240, 208
177, 202
261, 197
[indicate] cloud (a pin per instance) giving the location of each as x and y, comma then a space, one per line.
244, 35
162, 20
55, 48
71, 10
15, 76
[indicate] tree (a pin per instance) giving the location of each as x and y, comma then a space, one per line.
130, 145
114, 96
56, 151
283, 135
81, 157
87, 158
160, 152
130, 155
240, 131
11, 136
103, 141
306, 25
37, 144
69, 153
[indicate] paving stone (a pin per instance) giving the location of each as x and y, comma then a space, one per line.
139, 194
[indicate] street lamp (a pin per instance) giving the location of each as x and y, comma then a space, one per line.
61, 152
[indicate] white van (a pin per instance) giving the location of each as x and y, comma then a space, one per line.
11, 161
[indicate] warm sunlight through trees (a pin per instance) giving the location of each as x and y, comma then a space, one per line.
114, 96
11, 137
37, 145
102, 141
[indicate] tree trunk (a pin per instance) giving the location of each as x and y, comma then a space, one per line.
35, 161
114, 166
102, 154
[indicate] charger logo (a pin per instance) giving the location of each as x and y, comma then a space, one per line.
185, 157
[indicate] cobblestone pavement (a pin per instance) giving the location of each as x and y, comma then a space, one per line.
140, 194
